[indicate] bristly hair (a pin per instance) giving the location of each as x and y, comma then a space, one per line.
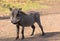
22, 12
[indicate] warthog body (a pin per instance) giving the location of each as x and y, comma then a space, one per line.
20, 18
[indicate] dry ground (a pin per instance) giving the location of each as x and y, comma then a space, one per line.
50, 20
51, 25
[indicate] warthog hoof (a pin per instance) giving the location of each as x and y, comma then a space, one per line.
32, 34
43, 34
22, 38
17, 38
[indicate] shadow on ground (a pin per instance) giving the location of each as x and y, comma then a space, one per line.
47, 37
4, 17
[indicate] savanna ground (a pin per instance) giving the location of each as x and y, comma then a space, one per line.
50, 19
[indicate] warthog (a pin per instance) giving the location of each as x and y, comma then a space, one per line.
20, 18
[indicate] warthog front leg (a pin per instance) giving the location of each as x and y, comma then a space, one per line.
22, 32
17, 32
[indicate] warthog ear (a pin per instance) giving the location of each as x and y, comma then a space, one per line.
10, 9
20, 8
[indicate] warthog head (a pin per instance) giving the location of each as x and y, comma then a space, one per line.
15, 15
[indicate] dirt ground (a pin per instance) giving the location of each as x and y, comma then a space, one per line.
50, 23
50, 20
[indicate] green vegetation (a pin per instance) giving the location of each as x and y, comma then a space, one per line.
26, 6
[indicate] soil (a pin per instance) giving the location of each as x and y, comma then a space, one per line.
50, 20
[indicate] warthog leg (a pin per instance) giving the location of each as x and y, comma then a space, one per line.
41, 29
17, 32
39, 23
33, 27
22, 32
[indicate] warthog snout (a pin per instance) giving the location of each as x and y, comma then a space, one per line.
14, 21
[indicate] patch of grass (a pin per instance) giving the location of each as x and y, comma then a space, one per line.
26, 6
